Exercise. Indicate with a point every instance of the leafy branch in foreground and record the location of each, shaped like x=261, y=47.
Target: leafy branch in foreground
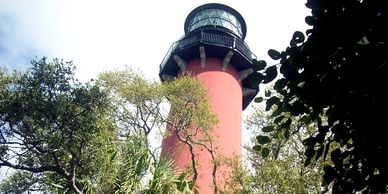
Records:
x=339, y=72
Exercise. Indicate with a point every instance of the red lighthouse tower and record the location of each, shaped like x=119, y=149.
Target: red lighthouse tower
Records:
x=214, y=51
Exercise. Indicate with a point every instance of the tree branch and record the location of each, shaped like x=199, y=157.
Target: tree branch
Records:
x=30, y=169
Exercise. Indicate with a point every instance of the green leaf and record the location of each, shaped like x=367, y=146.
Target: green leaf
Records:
x=267, y=93
x=305, y=119
x=270, y=102
x=258, y=99
x=307, y=162
x=309, y=31
x=327, y=148
x=298, y=37
x=279, y=119
x=320, y=137
x=280, y=84
x=261, y=139
x=255, y=79
x=258, y=65
x=336, y=156
x=265, y=152
x=267, y=129
x=277, y=111
x=292, y=44
x=257, y=148
x=275, y=55
x=310, y=152
x=287, y=124
x=328, y=176
x=319, y=152
x=309, y=141
x=286, y=134
x=289, y=72
x=270, y=74
x=310, y=20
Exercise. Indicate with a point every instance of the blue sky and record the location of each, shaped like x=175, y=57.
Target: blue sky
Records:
x=101, y=35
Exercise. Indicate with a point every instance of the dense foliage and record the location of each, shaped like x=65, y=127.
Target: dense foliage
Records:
x=49, y=121
x=340, y=72
x=59, y=135
x=140, y=107
x=279, y=163
x=276, y=166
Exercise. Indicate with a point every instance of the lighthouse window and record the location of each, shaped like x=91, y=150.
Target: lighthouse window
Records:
x=216, y=17
x=233, y=19
x=224, y=15
x=227, y=25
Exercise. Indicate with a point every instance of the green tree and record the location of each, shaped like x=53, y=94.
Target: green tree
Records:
x=21, y=182
x=48, y=121
x=274, y=161
x=277, y=165
x=143, y=107
x=129, y=169
x=339, y=71
x=60, y=135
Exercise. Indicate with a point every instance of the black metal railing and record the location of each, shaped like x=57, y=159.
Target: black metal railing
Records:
x=223, y=40
x=243, y=48
x=165, y=59
x=187, y=41
x=209, y=38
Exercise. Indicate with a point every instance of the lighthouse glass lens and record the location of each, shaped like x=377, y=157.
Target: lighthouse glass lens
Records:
x=216, y=18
